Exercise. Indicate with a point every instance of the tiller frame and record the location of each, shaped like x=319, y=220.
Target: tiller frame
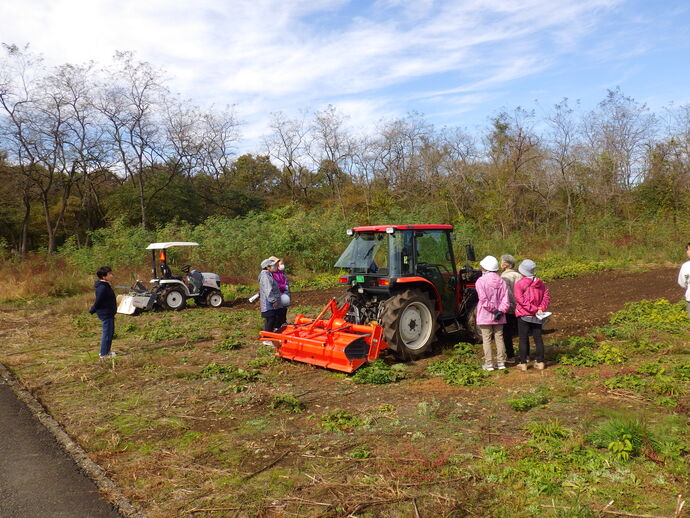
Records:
x=332, y=343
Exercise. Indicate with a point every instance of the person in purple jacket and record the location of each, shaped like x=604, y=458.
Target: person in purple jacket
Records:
x=105, y=307
x=280, y=277
x=532, y=299
x=491, y=308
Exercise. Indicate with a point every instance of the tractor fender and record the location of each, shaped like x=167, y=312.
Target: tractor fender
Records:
x=175, y=282
x=427, y=285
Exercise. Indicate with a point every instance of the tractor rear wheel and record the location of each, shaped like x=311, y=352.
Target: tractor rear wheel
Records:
x=173, y=298
x=214, y=299
x=409, y=323
x=471, y=325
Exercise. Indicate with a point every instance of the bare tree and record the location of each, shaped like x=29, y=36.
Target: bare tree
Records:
x=131, y=98
x=287, y=144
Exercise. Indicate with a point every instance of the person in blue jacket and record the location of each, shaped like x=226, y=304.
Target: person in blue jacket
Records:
x=105, y=307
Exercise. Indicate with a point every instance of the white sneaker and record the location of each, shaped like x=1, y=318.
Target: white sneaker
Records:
x=501, y=366
x=267, y=343
x=111, y=354
x=488, y=367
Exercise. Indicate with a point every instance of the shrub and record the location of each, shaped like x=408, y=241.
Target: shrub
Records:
x=653, y=314
x=528, y=400
x=456, y=371
x=229, y=344
x=626, y=381
x=551, y=429
x=360, y=452
x=340, y=420
x=617, y=432
x=228, y=373
x=379, y=373
x=682, y=371
x=588, y=357
x=288, y=402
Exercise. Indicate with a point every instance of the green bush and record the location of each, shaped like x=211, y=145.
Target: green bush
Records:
x=653, y=314
x=528, y=400
x=228, y=373
x=588, y=357
x=288, y=402
x=626, y=381
x=340, y=420
x=456, y=371
x=379, y=373
x=621, y=430
x=229, y=344
x=551, y=429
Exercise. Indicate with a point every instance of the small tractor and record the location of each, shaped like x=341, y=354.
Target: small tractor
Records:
x=403, y=286
x=169, y=291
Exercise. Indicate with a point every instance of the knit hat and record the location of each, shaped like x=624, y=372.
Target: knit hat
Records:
x=267, y=262
x=527, y=267
x=489, y=263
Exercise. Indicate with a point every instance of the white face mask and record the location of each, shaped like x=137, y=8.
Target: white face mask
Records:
x=281, y=267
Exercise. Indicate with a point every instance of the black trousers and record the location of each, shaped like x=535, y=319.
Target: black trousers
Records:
x=524, y=329
x=281, y=317
x=270, y=317
x=509, y=331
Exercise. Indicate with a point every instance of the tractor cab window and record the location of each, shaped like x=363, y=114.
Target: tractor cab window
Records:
x=433, y=252
x=366, y=253
x=401, y=253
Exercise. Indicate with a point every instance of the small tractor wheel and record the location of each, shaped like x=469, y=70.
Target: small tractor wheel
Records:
x=214, y=299
x=173, y=298
x=409, y=323
x=471, y=325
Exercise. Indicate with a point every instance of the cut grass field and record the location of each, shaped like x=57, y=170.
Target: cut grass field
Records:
x=195, y=417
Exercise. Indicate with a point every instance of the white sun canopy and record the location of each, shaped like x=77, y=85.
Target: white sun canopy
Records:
x=168, y=244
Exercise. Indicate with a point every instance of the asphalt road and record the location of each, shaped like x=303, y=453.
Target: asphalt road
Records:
x=37, y=478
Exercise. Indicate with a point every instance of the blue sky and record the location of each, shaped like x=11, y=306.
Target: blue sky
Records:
x=456, y=62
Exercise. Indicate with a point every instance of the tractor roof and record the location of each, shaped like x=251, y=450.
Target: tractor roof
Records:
x=168, y=244
x=382, y=228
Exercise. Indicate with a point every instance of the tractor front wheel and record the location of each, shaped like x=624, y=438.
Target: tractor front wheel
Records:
x=409, y=323
x=214, y=299
x=173, y=298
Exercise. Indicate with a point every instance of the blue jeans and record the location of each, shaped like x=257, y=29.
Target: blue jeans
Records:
x=108, y=330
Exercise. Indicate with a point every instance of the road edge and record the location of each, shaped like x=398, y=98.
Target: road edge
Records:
x=95, y=472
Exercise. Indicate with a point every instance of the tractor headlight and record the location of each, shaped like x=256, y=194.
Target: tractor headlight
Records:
x=390, y=230
x=349, y=232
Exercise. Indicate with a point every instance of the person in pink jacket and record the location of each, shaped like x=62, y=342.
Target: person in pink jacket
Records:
x=493, y=303
x=532, y=299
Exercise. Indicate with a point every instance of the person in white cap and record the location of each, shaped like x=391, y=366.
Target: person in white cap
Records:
x=532, y=299
x=492, y=305
x=269, y=295
x=684, y=278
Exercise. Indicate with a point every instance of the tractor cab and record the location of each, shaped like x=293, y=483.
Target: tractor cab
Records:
x=405, y=276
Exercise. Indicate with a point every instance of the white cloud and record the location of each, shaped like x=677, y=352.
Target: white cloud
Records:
x=270, y=55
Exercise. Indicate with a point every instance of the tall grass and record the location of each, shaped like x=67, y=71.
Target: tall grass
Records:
x=311, y=240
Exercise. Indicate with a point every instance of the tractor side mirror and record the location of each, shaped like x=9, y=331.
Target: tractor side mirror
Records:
x=469, y=251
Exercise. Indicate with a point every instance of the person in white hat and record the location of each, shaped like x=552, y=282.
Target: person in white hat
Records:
x=269, y=295
x=492, y=305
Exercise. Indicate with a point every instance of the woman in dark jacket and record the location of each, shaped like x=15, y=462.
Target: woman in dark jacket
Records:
x=105, y=307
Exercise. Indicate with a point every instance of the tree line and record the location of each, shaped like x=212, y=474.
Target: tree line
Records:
x=84, y=145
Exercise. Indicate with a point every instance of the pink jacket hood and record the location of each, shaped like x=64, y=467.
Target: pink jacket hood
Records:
x=531, y=296
x=493, y=296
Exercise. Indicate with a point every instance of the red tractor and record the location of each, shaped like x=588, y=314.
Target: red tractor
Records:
x=403, y=288
x=404, y=277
